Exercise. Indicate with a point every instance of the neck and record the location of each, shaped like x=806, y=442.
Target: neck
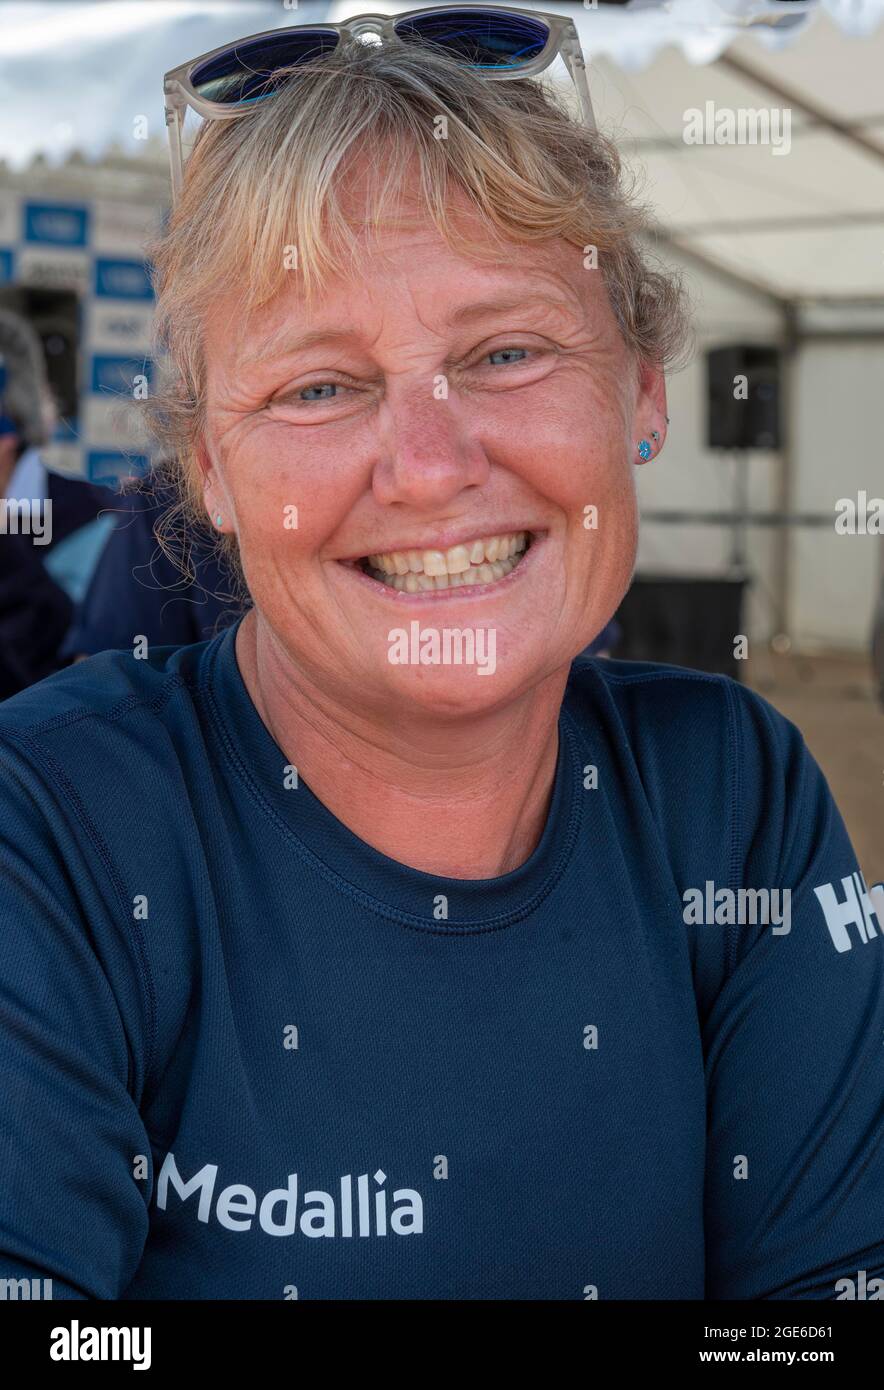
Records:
x=460, y=798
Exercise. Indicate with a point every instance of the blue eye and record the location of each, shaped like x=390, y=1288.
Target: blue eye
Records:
x=500, y=351
x=320, y=386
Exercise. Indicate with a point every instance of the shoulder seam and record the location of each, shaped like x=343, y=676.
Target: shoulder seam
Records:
x=123, y=706
x=705, y=677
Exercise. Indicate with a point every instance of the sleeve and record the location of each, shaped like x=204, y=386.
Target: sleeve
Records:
x=75, y=1160
x=794, y=1042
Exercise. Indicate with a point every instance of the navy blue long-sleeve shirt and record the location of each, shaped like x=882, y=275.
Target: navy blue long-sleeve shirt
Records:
x=245, y=1055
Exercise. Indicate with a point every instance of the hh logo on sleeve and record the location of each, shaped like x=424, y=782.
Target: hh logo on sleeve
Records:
x=853, y=905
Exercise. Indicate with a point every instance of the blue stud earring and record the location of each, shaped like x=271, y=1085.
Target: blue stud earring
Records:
x=644, y=450
x=219, y=520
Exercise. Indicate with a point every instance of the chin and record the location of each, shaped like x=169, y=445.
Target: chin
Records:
x=454, y=690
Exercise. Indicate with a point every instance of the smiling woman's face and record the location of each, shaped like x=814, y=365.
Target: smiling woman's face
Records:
x=445, y=412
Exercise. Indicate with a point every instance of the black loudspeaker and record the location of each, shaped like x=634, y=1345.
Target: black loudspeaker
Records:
x=735, y=422
x=682, y=620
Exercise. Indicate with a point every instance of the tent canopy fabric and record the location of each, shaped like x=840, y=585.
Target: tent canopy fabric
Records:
x=803, y=222
x=798, y=220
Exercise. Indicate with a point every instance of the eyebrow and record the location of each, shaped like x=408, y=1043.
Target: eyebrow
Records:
x=283, y=343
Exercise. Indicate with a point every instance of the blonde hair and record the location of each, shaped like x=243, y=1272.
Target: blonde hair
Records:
x=270, y=179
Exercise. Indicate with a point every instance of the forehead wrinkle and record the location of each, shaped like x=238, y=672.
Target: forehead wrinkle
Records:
x=286, y=341
x=484, y=308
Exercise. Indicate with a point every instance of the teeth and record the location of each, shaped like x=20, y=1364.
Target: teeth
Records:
x=434, y=562
x=421, y=571
x=458, y=560
x=424, y=583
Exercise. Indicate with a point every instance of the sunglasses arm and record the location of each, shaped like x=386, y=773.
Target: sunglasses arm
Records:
x=175, y=108
x=572, y=54
x=178, y=98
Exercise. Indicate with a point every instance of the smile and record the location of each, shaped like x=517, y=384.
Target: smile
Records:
x=483, y=561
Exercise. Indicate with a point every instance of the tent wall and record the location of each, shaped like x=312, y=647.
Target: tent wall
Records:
x=834, y=423
x=838, y=433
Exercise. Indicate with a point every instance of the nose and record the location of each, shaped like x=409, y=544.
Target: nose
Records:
x=427, y=454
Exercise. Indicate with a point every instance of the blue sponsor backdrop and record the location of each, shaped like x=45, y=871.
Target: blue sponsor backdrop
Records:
x=93, y=443
x=56, y=224
x=118, y=374
x=122, y=280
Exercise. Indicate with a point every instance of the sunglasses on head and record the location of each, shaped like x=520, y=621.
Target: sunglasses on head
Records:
x=498, y=43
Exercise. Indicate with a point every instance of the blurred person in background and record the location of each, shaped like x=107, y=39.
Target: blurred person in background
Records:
x=152, y=579
x=51, y=527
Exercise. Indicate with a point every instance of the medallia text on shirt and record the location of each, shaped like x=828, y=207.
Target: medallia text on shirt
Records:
x=282, y=1212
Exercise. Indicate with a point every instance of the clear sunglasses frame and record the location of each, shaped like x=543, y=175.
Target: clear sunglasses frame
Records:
x=179, y=92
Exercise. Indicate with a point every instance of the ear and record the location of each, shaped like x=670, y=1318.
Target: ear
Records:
x=212, y=493
x=650, y=406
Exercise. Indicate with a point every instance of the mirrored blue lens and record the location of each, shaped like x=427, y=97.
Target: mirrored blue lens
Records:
x=484, y=38
x=251, y=70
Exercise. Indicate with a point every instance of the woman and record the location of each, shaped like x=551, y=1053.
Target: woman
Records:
x=365, y=951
